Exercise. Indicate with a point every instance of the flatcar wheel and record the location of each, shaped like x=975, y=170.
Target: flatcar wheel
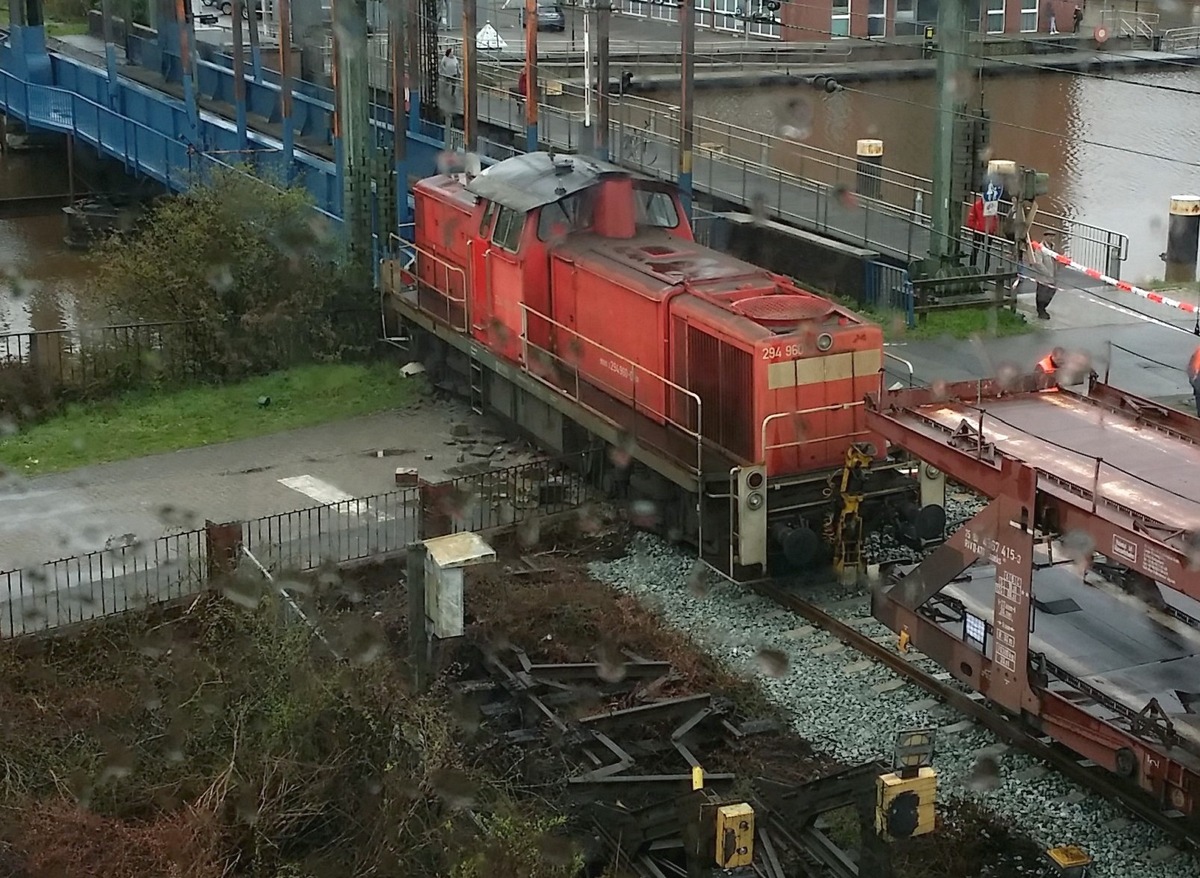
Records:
x=1126, y=762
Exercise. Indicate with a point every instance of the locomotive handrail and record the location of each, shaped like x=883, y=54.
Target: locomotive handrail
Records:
x=797, y=443
x=901, y=361
x=633, y=368
x=415, y=250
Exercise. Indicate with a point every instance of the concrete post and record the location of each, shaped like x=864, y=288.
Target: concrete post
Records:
x=1183, y=236
x=869, y=168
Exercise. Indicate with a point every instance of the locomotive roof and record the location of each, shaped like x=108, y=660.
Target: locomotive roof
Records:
x=533, y=179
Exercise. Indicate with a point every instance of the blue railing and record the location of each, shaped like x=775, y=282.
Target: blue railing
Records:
x=889, y=288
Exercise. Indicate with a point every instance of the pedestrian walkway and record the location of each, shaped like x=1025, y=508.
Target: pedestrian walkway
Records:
x=756, y=185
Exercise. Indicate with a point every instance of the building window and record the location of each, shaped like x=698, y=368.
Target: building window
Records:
x=995, y=16
x=839, y=25
x=876, y=18
x=906, y=17
x=1029, y=16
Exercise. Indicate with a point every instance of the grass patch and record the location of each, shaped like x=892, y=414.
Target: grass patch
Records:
x=148, y=422
x=71, y=26
x=966, y=323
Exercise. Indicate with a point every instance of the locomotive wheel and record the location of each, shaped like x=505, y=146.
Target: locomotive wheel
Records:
x=930, y=522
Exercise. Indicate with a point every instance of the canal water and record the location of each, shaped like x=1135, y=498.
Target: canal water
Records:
x=40, y=277
x=1116, y=149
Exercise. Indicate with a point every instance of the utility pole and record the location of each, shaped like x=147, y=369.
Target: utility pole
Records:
x=470, y=74
x=950, y=184
x=603, y=15
x=396, y=41
x=687, y=63
x=285, y=84
x=353, y=129
x=532, y=94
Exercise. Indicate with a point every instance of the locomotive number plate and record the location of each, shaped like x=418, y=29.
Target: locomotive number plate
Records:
x=783, y=352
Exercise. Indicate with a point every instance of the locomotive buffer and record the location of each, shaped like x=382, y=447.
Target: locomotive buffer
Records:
x=1100, y=656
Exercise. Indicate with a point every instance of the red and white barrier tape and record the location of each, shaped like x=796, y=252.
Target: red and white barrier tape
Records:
x=1119, y=284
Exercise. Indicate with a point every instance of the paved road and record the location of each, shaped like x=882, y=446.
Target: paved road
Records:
x=66, y=514
x=1084, y=322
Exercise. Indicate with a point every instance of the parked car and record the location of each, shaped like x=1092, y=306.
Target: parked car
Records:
x=549, y=17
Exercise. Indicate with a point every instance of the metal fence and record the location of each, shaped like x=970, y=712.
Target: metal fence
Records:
x=100, y=584
x=501, y=498
x=105, y=358
x=131, y=577
x=888, y=288
x=92, y=356
x=349, y=530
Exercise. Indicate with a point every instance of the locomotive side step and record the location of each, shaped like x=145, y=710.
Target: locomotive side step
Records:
x=476, y=385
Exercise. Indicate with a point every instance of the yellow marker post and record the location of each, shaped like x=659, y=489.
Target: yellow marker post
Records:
x=697, y=778
x=904, y=639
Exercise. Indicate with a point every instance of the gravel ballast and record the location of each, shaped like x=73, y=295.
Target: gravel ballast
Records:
x=852, y=708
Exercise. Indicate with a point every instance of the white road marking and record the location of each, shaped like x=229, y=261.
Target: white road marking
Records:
x=1121, y=309
x=327, y=495
x=322, y=492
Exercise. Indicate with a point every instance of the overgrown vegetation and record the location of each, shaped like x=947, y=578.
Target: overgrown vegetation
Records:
x=232, y=279
x=228, y=742
x=149, y=422
x=248, y=266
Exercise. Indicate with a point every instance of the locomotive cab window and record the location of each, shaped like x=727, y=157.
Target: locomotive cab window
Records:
x=489, y=214
x=570, y=214
x=655, y=209
x=507, y=233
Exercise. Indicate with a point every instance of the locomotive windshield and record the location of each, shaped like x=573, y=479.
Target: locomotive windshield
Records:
x=570, y=214
x=655, y=209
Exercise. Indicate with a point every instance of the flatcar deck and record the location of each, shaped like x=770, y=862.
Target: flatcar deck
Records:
x=1106, y=640
x=1101, y=670
x=1084, y=446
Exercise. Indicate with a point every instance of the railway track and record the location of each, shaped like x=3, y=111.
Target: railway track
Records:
x=1092, y=777
x=838, y=676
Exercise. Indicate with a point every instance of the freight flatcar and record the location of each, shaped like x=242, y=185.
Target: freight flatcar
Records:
x=569, y=296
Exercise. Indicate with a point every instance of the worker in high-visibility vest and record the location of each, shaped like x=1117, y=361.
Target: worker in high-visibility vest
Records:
x=1193, y=371
x=1048, y=366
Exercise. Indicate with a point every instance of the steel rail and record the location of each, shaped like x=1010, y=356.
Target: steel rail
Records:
x=1066, y=763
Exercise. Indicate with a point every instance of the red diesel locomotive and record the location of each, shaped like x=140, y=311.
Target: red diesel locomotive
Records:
x=569, y=296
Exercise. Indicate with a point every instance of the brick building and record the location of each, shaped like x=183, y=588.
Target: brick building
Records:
x=822, y=20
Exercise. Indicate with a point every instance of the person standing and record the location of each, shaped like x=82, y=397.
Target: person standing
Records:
x=1020, y=223
x=1052, y=16
x=1046, y=267
x=449, y=69
x=1078, y=19
x=982, y=226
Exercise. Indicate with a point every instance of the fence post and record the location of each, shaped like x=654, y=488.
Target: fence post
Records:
x=221, y=542
x=418, y=634
x=435, y=517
